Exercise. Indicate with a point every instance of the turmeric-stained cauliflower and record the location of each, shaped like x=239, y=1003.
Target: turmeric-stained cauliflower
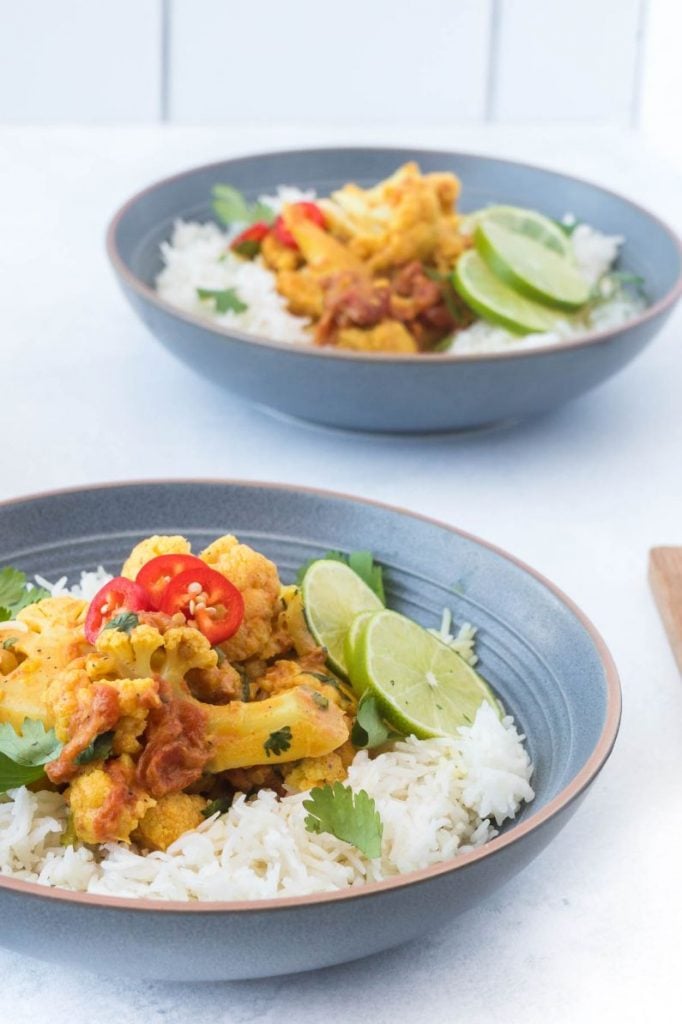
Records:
x=152, y=547
x=107, y=802
x=84, y=708
x=256, y=577
x=49, y=638
x=168, y=819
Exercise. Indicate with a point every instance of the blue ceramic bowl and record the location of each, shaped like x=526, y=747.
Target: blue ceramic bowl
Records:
x=388, y=392
x=543, y=657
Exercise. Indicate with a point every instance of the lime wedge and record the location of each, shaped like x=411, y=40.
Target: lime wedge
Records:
x=333, y=595
x=530, y=267
x=352, y=637
x=495, y=301
x=421, y=686
x=529, y=223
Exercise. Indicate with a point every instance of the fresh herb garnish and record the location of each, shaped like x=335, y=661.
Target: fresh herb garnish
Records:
x=22, y=757
x=124, y=622
x=568, y=227
x=98, y=749
x=320, y=699
x=615, y=281
x=9, y=643
x=322, y=677
x=219, y=806
x=361, y=562
x=14, y=593
x=278, y=741
x=230, y=207
x=349, y=816
x=369, y=729
x=226, y=300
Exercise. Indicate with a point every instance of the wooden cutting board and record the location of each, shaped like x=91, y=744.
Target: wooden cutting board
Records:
x=665, y=576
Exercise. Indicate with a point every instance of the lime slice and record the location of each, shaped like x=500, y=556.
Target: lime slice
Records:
x=530, y=267
x=495, y=301
x=529, y=223
x=333, y=595
x=421, y=685
x=352, y=637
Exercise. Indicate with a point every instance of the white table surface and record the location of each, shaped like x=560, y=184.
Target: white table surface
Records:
x=590, y=931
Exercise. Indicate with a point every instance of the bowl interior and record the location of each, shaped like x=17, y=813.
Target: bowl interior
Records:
x=534, y=649
x=649, y=251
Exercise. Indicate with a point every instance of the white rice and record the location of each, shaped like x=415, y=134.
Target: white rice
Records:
x=436, y=798
x=198, y=256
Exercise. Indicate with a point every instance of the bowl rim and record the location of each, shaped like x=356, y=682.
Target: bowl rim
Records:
x=578, y=784
x=306, y=349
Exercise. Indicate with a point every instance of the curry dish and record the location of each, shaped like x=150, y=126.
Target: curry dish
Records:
x=372, y=271
x=164, y=714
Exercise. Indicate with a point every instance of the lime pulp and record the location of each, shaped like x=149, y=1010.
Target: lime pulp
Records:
x=421, y=686
x=496, y=301
x=333, y=595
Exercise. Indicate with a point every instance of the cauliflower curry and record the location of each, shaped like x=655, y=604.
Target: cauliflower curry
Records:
x=185, y=680
x=370, y=267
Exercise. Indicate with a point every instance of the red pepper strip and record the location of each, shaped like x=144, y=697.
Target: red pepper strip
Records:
x=208, y=600
x=312, y=212
x=156, y=574
x=116, y=596
x=248, y=242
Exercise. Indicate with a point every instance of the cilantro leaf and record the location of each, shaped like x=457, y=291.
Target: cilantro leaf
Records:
x=219, y=806
x=229, y=204
x=35, y=745
x=369, y=729
x=361, y=562
x=125, y=622
x=349, y=816
x=13, y=775
x=22, y=757
x=14, y=593
x=12, y=584
x=278, y=741
x=226, y=300
x=98, y=749
x=230, y=207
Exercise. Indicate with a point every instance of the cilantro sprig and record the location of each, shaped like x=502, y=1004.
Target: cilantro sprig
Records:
x=278, y=741
x=369, y=728
x=230, y=207
x=15, y=593
x=349, y=816
x=23, y=756
x=361, y=562
x=226, y=299
x=98, y=749
x=124, y=622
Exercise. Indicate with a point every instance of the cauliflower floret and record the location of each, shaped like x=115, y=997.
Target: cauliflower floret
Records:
x=107, y=803
x=145, y=651
x=84, y=708
x=126, y=654
x=285, y=675
x=314, y=771
x=168, y=819
x=150, y=548
x=52, y=640
x=256, y=577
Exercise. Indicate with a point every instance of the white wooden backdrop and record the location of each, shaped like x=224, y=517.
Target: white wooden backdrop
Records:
x=428, y=62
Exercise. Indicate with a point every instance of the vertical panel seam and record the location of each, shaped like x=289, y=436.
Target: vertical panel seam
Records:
x=636, y=95
x=494, y=42
x=164, y=104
